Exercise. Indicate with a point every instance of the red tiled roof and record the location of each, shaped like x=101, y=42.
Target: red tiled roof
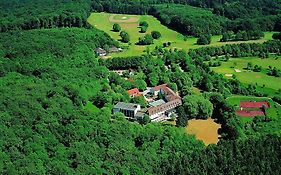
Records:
x=139, y=94
x=169, y=93
x=172, y=97
x=157, y=88
x=134, y=91
x=248, y=104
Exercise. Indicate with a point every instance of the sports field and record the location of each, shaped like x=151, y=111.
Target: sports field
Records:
x=205, y=130
x=234, y=65
x=129, y=23
x=273, y=112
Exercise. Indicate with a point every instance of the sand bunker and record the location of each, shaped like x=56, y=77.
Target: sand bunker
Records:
x=228, y=75
x=124, y=19
x=237, y=70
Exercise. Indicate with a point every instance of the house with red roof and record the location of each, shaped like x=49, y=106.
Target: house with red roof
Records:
x=134, y=92
x=155, y=90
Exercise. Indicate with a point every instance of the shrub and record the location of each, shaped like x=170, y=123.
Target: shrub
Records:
x=125, y=37
x=155, y=34
x=277, y=36
x=143, y=29
x=116, y=27
x=146, y=40
x=143, y=23
x=204, y=39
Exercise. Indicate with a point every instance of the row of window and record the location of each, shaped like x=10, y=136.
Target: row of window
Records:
x=165, y=107
x=127, y=113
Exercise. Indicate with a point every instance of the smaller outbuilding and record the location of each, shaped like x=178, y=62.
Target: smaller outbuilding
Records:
x=134, y=92
x=114, y=49
x=128, y=109
x=100, y=51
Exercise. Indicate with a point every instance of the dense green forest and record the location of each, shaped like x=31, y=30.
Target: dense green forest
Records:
x=228, y=15
x=46, y=106
x=30, y=14
x=189, y=20
x=50, y=75
x=215, y=17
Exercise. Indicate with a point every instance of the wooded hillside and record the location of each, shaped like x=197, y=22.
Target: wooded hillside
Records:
x=57, y=95
x=30, y=14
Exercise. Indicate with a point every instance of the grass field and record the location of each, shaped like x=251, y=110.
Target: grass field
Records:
x=129, y=23
x=249, y=77
x=273, y=112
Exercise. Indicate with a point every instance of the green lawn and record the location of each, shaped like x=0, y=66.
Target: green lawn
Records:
x=260, y=78
x=102, y=22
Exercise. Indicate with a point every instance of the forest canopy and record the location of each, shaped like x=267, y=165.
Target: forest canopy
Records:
x=213, y=17
x=30, y=14
x=57, y=95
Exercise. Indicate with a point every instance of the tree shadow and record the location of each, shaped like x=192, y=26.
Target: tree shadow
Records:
x=114, y=31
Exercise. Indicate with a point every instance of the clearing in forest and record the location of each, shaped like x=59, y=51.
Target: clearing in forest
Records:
x=130, y=23
x=205, y=130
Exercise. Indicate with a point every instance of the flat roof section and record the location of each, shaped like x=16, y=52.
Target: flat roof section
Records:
x=127, y=106
x=157, y=103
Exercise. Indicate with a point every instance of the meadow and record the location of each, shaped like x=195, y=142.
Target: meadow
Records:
x=129, y=23
x=268, y=83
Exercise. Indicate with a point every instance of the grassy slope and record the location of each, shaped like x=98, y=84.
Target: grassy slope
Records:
x=101, y=21
x=271, y=83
